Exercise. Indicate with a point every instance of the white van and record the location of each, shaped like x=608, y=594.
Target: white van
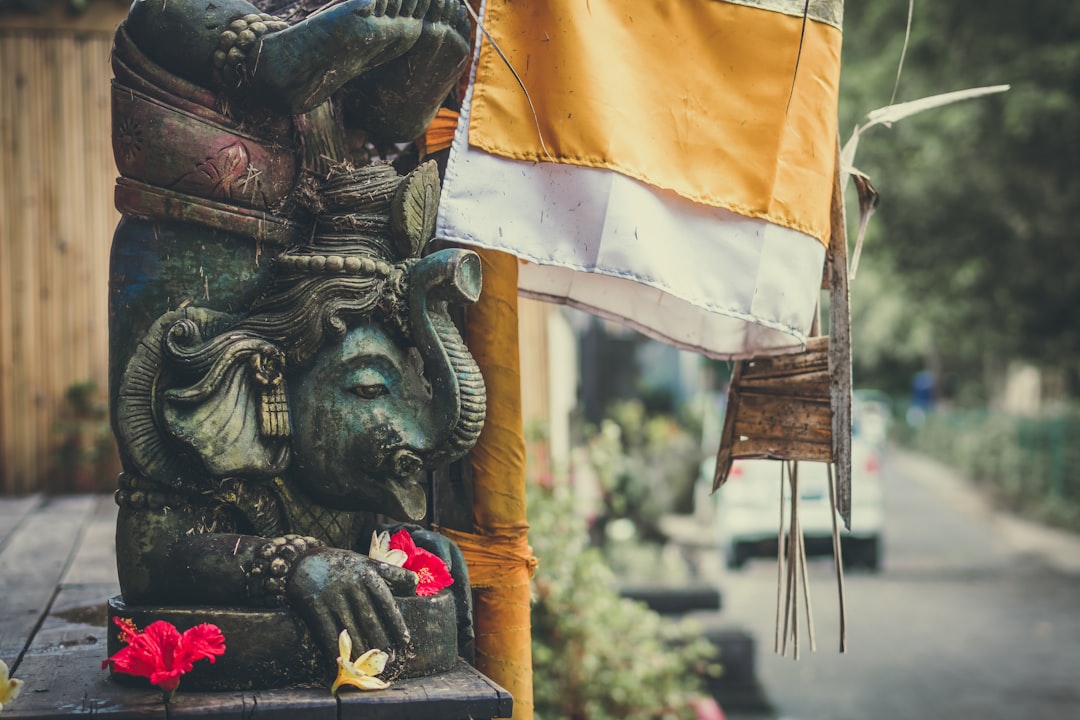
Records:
x=748, y=508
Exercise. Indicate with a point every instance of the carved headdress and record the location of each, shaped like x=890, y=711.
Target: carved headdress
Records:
x=194, y=361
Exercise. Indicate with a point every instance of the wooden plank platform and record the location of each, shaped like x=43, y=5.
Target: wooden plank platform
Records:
x=58, y=570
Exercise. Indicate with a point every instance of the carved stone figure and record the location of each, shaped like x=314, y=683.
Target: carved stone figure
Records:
x=283, y=365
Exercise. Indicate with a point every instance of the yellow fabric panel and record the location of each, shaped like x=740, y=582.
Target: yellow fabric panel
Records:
x=689, y=96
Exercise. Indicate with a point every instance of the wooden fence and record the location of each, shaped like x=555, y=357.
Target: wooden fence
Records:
x=56, y=223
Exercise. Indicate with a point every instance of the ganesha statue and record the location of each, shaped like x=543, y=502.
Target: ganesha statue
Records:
x=284, y=370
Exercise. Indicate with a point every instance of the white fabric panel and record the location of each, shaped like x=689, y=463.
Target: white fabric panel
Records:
x=698, y=277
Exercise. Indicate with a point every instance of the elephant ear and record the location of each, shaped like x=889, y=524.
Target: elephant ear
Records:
x=143, y=442
x=159, y=410
x=225, y=425
x=412, y=213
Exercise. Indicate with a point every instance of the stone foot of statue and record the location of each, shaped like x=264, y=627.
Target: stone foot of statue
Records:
x=377, y=99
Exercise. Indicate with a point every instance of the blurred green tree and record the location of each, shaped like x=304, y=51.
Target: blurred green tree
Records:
x=971, y=258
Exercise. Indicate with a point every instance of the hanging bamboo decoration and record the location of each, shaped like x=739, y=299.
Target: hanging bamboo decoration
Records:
x=794, y=408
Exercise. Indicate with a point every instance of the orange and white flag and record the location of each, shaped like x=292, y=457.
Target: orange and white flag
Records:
x=669, y=165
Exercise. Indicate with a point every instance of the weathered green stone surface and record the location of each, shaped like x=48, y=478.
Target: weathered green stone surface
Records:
x=283, y=366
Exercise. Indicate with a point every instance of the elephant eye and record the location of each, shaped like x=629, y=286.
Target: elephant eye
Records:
x=370, y=391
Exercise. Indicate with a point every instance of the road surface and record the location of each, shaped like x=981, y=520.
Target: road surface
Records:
x=974, y=616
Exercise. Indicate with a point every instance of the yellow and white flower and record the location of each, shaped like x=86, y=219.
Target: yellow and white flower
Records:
x=361, y=673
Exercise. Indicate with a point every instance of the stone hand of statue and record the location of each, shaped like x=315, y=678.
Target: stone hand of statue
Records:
x=335, y=590
x=304, y=65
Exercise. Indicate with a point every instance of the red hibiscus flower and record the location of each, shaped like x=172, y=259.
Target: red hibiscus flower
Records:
x=428, y=566
x=161, y=653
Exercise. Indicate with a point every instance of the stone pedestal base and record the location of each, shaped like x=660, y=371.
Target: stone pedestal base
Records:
x=272, y=648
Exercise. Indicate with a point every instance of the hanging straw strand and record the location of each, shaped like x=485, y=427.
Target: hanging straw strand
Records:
x=839, y=561
x=780, y=575
x=806, y=591
x=793, y=558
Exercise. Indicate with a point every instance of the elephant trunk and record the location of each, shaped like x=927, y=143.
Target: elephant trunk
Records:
x=459, y=397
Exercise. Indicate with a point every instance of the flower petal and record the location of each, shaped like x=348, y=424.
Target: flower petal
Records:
x=364, y=682
x=380, y=543
x=202, y=642
x=133, y=660
x=344, y=645
x=162, y=642
x=9, y=689
x=372, y=662
x=431, y=571
x=402, y=540
x=395, y=557
x=167, y=680
x=360, y=681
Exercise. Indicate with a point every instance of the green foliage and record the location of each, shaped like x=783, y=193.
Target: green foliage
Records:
x=84, y=458
x=974, y=235
x=596, y=655
x=644, y=464
x=1029, y=465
